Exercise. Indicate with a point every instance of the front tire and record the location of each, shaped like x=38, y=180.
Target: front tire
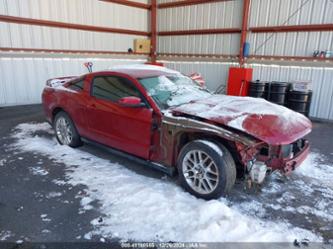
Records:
x=206, y=169
x=65, y=130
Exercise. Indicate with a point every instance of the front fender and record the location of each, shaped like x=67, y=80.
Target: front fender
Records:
x=173, y=127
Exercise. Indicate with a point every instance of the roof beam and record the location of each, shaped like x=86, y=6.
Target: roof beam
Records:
x=288, y=58
x=55, y=24
x=200, y=32
x=66, y=51
x=187, y=3
x=293, y=28
x=129, y=3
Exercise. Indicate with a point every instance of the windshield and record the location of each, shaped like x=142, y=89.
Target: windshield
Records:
x=173, y=90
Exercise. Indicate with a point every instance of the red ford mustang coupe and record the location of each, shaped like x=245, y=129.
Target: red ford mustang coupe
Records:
x=166, y=120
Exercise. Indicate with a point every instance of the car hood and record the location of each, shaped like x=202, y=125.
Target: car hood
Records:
x=271, y=123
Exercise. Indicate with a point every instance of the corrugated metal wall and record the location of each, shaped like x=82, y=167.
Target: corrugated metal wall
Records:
x=216, y=74
x=90, y=12
x=263, y=13
x=27, y=36
x=96, y=13
x=22, y=79
x=204, y=16
x=290, y=12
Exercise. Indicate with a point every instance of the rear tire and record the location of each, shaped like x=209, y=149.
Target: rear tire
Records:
x=206, y=169
x=65, y=130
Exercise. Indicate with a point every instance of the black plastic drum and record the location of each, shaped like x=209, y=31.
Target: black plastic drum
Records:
x=300, y=101
x=277, y=92
x=257, y=89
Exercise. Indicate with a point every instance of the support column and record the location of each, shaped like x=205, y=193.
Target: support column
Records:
x=246, y=9
x=153, y=28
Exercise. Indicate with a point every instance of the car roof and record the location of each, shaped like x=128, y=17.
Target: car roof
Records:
x=140, y=71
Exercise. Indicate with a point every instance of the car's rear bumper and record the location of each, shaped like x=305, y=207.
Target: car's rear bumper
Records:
x=290, y=165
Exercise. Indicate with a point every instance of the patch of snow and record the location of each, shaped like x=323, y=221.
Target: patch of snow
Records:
x=235, y=110
x=58, y=82
x=45, y=218
x=310, y=210
x=311, y=167
x=88, y=236
x=53, y=195
x=140, y=208
x=38, y=171
x=2, y=162
x=85, y=203
x=4, y=235
x=237, y=123
x=59, y=182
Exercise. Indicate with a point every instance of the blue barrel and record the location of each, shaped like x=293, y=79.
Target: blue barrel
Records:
x=246, y=49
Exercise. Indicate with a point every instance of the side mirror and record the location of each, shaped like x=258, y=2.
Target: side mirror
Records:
x=131, y=101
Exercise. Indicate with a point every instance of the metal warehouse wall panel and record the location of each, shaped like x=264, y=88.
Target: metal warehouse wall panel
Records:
x=215, y=73
x=202, y=16
x=87, y=12
x=321, y=78
x=290, y=44
x=22, y=79
x=27, y=36
x=200, y=44
x=290, y=12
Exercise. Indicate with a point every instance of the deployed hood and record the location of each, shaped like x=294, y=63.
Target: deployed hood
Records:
x=271, y=123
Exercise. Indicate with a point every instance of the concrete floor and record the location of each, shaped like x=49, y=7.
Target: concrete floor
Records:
x=25, y=197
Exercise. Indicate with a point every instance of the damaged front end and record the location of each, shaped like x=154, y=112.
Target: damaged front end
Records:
x=262, y=158
x=254, y=158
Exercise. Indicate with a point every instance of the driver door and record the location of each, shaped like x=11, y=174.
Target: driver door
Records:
x=115, y=125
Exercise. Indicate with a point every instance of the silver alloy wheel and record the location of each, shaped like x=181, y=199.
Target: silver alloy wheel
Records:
x=64, y=131
x=200, y=171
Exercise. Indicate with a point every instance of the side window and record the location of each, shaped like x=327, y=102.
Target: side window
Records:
x=77, y=86
x=113, y=88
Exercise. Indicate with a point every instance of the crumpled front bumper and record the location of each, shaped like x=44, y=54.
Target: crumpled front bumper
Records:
x=290, y=165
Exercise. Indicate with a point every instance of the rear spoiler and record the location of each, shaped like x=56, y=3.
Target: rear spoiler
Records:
x=59, y=81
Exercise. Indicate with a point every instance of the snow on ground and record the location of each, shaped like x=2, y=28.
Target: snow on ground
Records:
x=38, y=171
x=140, y=208
x=322, y=172
x=4, y=235
x=2, y=162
